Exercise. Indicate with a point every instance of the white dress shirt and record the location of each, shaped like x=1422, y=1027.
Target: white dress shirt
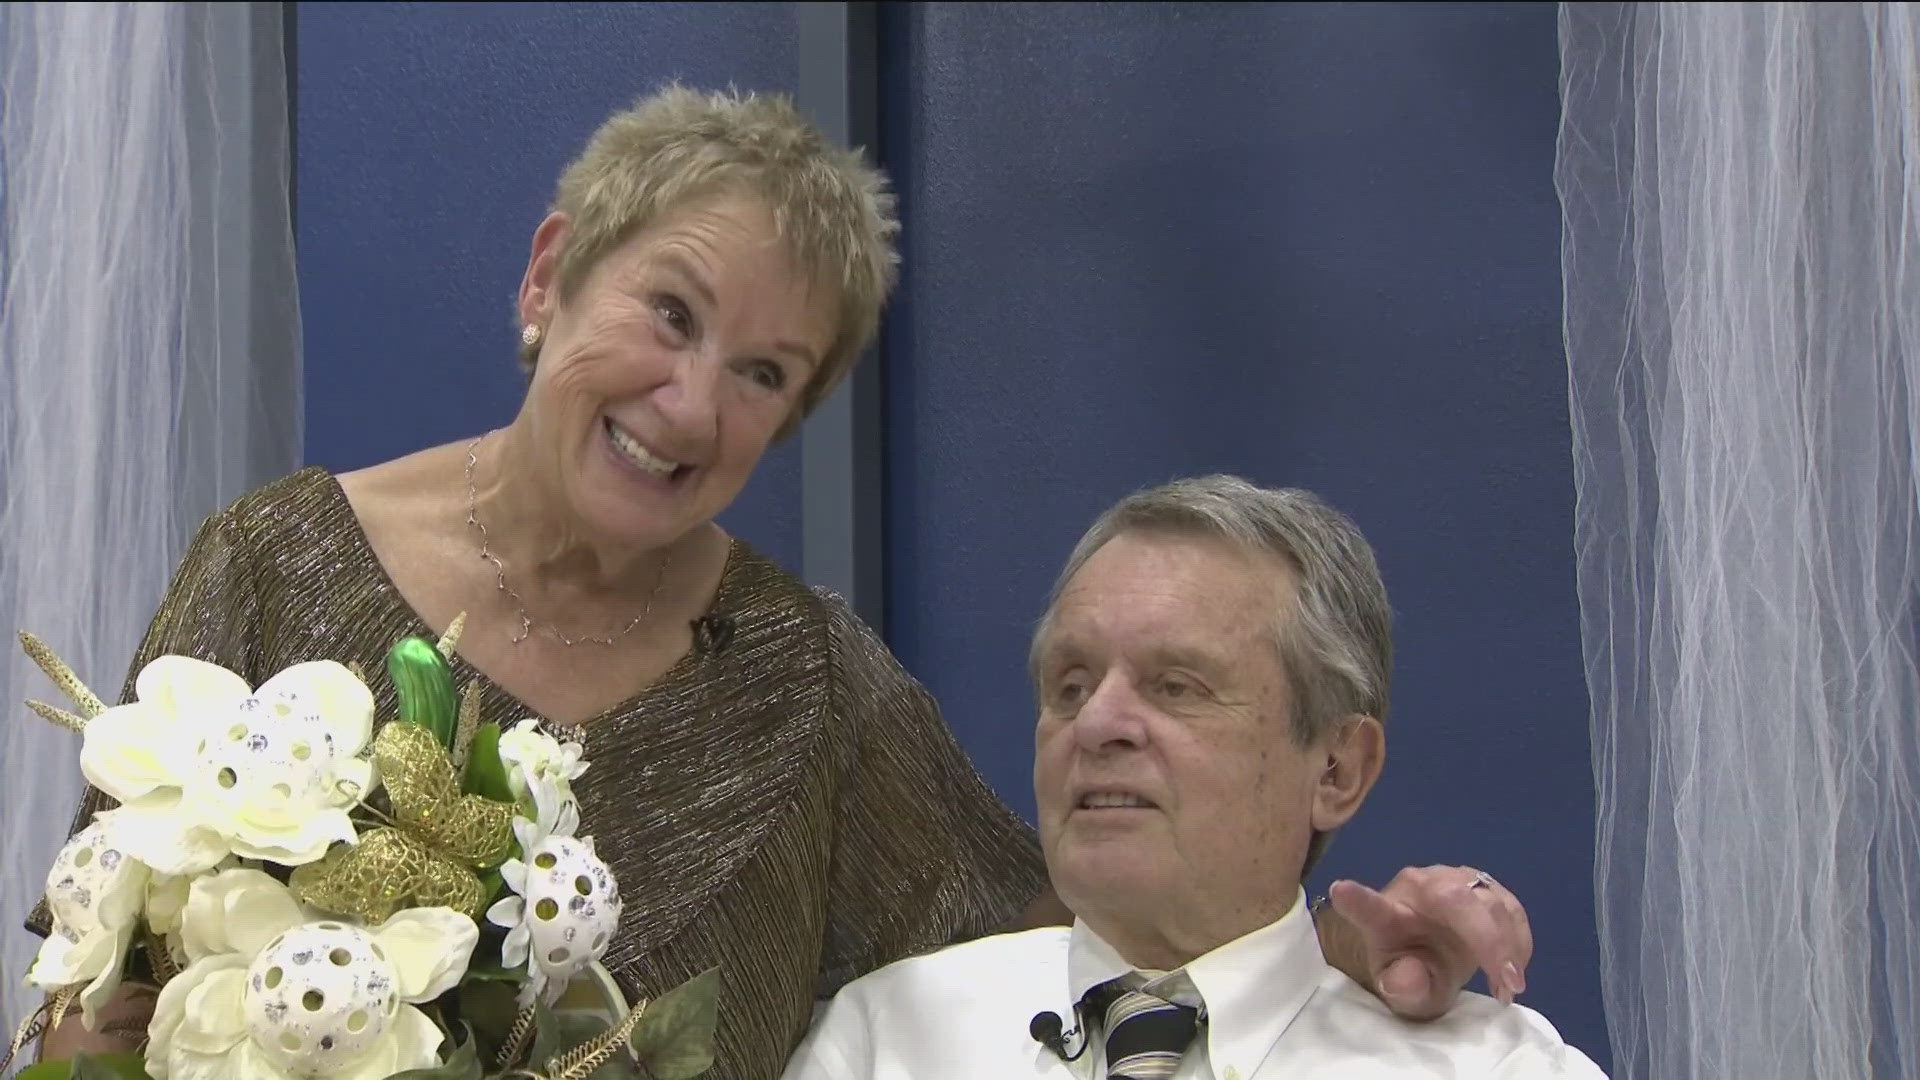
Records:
x=1273, y=1009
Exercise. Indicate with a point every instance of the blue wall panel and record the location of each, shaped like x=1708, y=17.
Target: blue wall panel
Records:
x=429, y=138
x=1316, y=245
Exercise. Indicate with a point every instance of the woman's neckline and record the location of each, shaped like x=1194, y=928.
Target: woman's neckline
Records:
x=738, y=553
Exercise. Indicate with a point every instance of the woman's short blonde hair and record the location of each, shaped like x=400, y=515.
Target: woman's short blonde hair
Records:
x=678, y=145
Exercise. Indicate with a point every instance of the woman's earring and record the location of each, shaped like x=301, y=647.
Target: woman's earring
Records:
x=530, y=335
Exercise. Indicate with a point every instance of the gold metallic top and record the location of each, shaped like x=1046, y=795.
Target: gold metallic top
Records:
x=785, y=801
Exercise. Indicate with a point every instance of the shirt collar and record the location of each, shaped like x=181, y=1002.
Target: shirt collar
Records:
x=1253, y=986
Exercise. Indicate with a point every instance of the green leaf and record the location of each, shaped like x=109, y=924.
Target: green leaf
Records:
x=89, y=1067
x=576, y=1028
x=546, y=1034
x=494, y=973
x=491, y=883
x=489, y=1006
x=462, y=1064
x=486, y=774
x=424, y=684
x=675, y=1036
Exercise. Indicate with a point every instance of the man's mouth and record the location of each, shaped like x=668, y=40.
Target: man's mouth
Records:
x=1113, y=800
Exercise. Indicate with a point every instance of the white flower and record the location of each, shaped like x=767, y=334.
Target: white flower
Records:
x=166, y=906
x=205, y=768
x=541, y=768
x=95, y=893
x=564, y=908
x=269, y=994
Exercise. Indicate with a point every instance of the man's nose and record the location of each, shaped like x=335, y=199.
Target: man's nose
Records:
x=1112, y=718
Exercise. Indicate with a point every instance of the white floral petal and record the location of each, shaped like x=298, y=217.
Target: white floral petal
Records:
x=344, y=703
x=64, y=962
x=164, y=1060
x=306, y=842
x=507, y=911
x=353, y=782
x=101, y=989
x=184, y=1064
x=130, y=750
x=568, y=822
x=526, y=832
x=536, y=987
x=258, y=912
x=249, y=1061
x=189, y=689
x=216, y=1013
x=514, y=951
x=157, y=831
x=208, y=926
x=52, y=966
x=514, y=872
x=429, y=948
x=412, y=1042
x=125, y=894
x=166, y=901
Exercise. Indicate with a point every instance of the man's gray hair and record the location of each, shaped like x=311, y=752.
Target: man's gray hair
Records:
x=1335, y=640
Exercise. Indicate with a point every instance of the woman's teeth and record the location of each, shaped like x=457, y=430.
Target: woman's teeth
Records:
x=638, y=454
x=1110, y=800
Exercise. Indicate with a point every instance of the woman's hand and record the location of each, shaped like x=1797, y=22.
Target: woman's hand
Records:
x=121, y=1026
x=1417, y=942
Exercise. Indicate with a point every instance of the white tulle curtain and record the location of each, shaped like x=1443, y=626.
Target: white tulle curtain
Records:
x=1741, y=188
x=149, y=363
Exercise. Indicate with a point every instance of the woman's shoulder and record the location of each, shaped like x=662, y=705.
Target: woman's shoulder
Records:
x=808, y=628
x=255, y=515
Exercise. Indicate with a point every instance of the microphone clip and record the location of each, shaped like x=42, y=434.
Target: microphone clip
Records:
x=1045, y=1027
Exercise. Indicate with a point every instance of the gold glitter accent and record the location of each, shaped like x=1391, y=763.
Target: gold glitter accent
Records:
x=425, y=796
x=53, y=714
x=469, y=724
x=428, y=858
x=789, y=807
x=451, y=639
x=85, y=701
x=387, y=871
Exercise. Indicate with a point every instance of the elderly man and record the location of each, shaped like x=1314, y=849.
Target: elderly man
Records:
x=1212, y=673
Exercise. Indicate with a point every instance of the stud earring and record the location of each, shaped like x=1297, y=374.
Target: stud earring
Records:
x=530, y=335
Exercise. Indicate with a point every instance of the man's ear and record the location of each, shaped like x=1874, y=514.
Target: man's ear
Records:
x=1355, y=754
x=540, y=285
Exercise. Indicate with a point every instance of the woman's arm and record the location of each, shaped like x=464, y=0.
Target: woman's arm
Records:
x=120, y=1027
x=1414, y=945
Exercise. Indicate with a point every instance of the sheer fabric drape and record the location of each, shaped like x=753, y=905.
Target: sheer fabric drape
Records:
x=1741, y=194
x=149, y=360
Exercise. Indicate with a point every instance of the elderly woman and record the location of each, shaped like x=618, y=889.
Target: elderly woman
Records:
x=776, y=795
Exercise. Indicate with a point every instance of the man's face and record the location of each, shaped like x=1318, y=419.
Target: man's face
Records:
x=1175, y=805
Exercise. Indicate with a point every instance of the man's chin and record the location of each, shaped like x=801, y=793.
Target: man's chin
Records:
x=1093, y=875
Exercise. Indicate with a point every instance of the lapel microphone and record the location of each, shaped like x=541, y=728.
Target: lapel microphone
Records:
x=1046, y=1030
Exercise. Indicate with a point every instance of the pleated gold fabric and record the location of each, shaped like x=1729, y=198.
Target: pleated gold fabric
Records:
x=784, y=802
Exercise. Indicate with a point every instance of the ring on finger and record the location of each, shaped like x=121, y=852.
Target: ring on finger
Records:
x=1481, y=880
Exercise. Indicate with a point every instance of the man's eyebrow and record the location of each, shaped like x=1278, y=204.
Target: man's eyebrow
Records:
x=1050, y=647
x=1189, y=655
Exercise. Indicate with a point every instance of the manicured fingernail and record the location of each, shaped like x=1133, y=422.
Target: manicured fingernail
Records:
x=1514, y=978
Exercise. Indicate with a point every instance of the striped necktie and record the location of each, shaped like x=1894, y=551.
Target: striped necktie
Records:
x=1146, y=1035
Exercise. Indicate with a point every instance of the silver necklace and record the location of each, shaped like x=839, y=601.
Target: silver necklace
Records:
x=527, y=623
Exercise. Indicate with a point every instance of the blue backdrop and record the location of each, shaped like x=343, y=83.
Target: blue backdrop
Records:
x=1312, y=244
x=428, y=138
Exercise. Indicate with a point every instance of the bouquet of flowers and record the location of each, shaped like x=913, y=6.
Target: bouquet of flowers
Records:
x=313, y=897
